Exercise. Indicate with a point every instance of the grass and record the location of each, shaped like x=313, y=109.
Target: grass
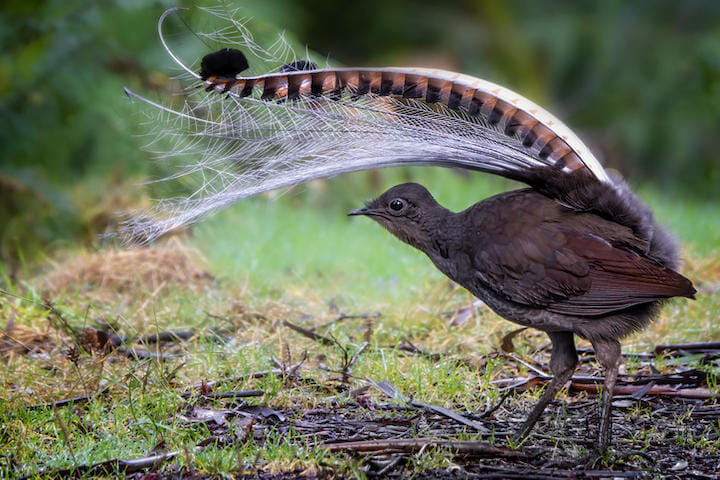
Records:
x=296, y=258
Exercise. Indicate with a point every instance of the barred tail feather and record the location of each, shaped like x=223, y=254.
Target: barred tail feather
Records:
x=287, y=127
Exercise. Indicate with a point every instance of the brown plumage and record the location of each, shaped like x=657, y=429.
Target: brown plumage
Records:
x=569, y=257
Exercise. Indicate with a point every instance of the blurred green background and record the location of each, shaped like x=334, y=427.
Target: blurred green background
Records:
x=639, y=81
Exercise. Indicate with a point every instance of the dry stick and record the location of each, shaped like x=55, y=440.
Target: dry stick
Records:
x=309, y=334
x=505, y=396
x=109, y=467
x=356, y=355
x=407, y=346
x=346, y=369
x=532, y=367
x=392, y=392
x=592, y=385
x=139, y=354
x=413, y=445
x=237, y=378
x=343, y=316
x=329, y=341
x=213, y=396
x=67, y=401
x=506, y=344
x=284, y=369
x=169, y=336
x=160, y=337
x=591, y=351
x=696, y=393
x=688, y=347
x=355, y=392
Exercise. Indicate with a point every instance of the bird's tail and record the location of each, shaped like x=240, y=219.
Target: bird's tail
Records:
x=240, y=136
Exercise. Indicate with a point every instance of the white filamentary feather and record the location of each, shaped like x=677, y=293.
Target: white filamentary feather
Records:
x=228, y=147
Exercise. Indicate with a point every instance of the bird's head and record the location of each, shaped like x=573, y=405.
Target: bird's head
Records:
x=407, y=211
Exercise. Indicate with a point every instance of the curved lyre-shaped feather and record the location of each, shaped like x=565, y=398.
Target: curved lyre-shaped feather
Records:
x=281, y=129
x=495, y=107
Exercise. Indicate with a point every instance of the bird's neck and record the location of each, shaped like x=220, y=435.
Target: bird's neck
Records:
x=442, y=237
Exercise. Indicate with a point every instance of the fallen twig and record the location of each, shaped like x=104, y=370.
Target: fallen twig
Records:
x=407, y=346
x=365, y=316
x=169, y=336
x=505, y=396
x=679, y=349
x=214, y=396
x=506, y=344
x=593, y=385
x=413, y=445
x=140, y=354
x=238, y=378
x=529, y=365
x=392, y=392
x=68, y=401
x=309, y=333
x=108, y=467
x=660, y=390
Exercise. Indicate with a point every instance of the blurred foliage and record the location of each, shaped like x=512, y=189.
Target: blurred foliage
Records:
x=640, y=81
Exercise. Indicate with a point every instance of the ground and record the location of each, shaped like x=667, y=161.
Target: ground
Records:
x=263, y=345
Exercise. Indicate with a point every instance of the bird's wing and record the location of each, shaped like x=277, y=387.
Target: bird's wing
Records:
x=282, y=127
x=544, y=264
x=619, y=278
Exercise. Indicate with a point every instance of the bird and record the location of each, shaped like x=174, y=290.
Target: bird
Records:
x=575, y=254
x=579, y=268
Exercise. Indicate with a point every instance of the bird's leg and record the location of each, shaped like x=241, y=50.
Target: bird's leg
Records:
x=563, y=361
x=609, y=356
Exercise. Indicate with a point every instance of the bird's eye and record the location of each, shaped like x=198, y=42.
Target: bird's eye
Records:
x=397, y=204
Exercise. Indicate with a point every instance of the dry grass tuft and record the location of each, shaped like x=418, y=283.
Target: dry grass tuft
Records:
x=20, y=339
x=105, y=274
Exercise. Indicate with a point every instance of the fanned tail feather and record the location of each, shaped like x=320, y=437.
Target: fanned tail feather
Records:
x=281, y=129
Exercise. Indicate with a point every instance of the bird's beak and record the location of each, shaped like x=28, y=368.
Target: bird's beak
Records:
x=360, y=211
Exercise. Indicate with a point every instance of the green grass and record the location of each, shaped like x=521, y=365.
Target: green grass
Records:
x=296, y=258
x=304, y=239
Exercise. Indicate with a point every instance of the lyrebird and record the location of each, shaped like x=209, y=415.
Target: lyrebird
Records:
x=577, y=253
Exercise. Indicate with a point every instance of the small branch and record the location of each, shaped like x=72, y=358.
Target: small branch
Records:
x=67, y=401
x=505, y=396
x=167, y=336
x=678, y=348
x=309, y=334
x=238, y=378
x=214, y=396
x=108, y=467
x=362, y=316
x=356, y=355
x=540, y=373
x=659, y=390
x=414, y=445
x=140, y=354
x=392, y=392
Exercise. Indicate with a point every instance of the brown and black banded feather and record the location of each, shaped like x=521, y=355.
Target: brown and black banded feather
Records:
x=548, y=138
